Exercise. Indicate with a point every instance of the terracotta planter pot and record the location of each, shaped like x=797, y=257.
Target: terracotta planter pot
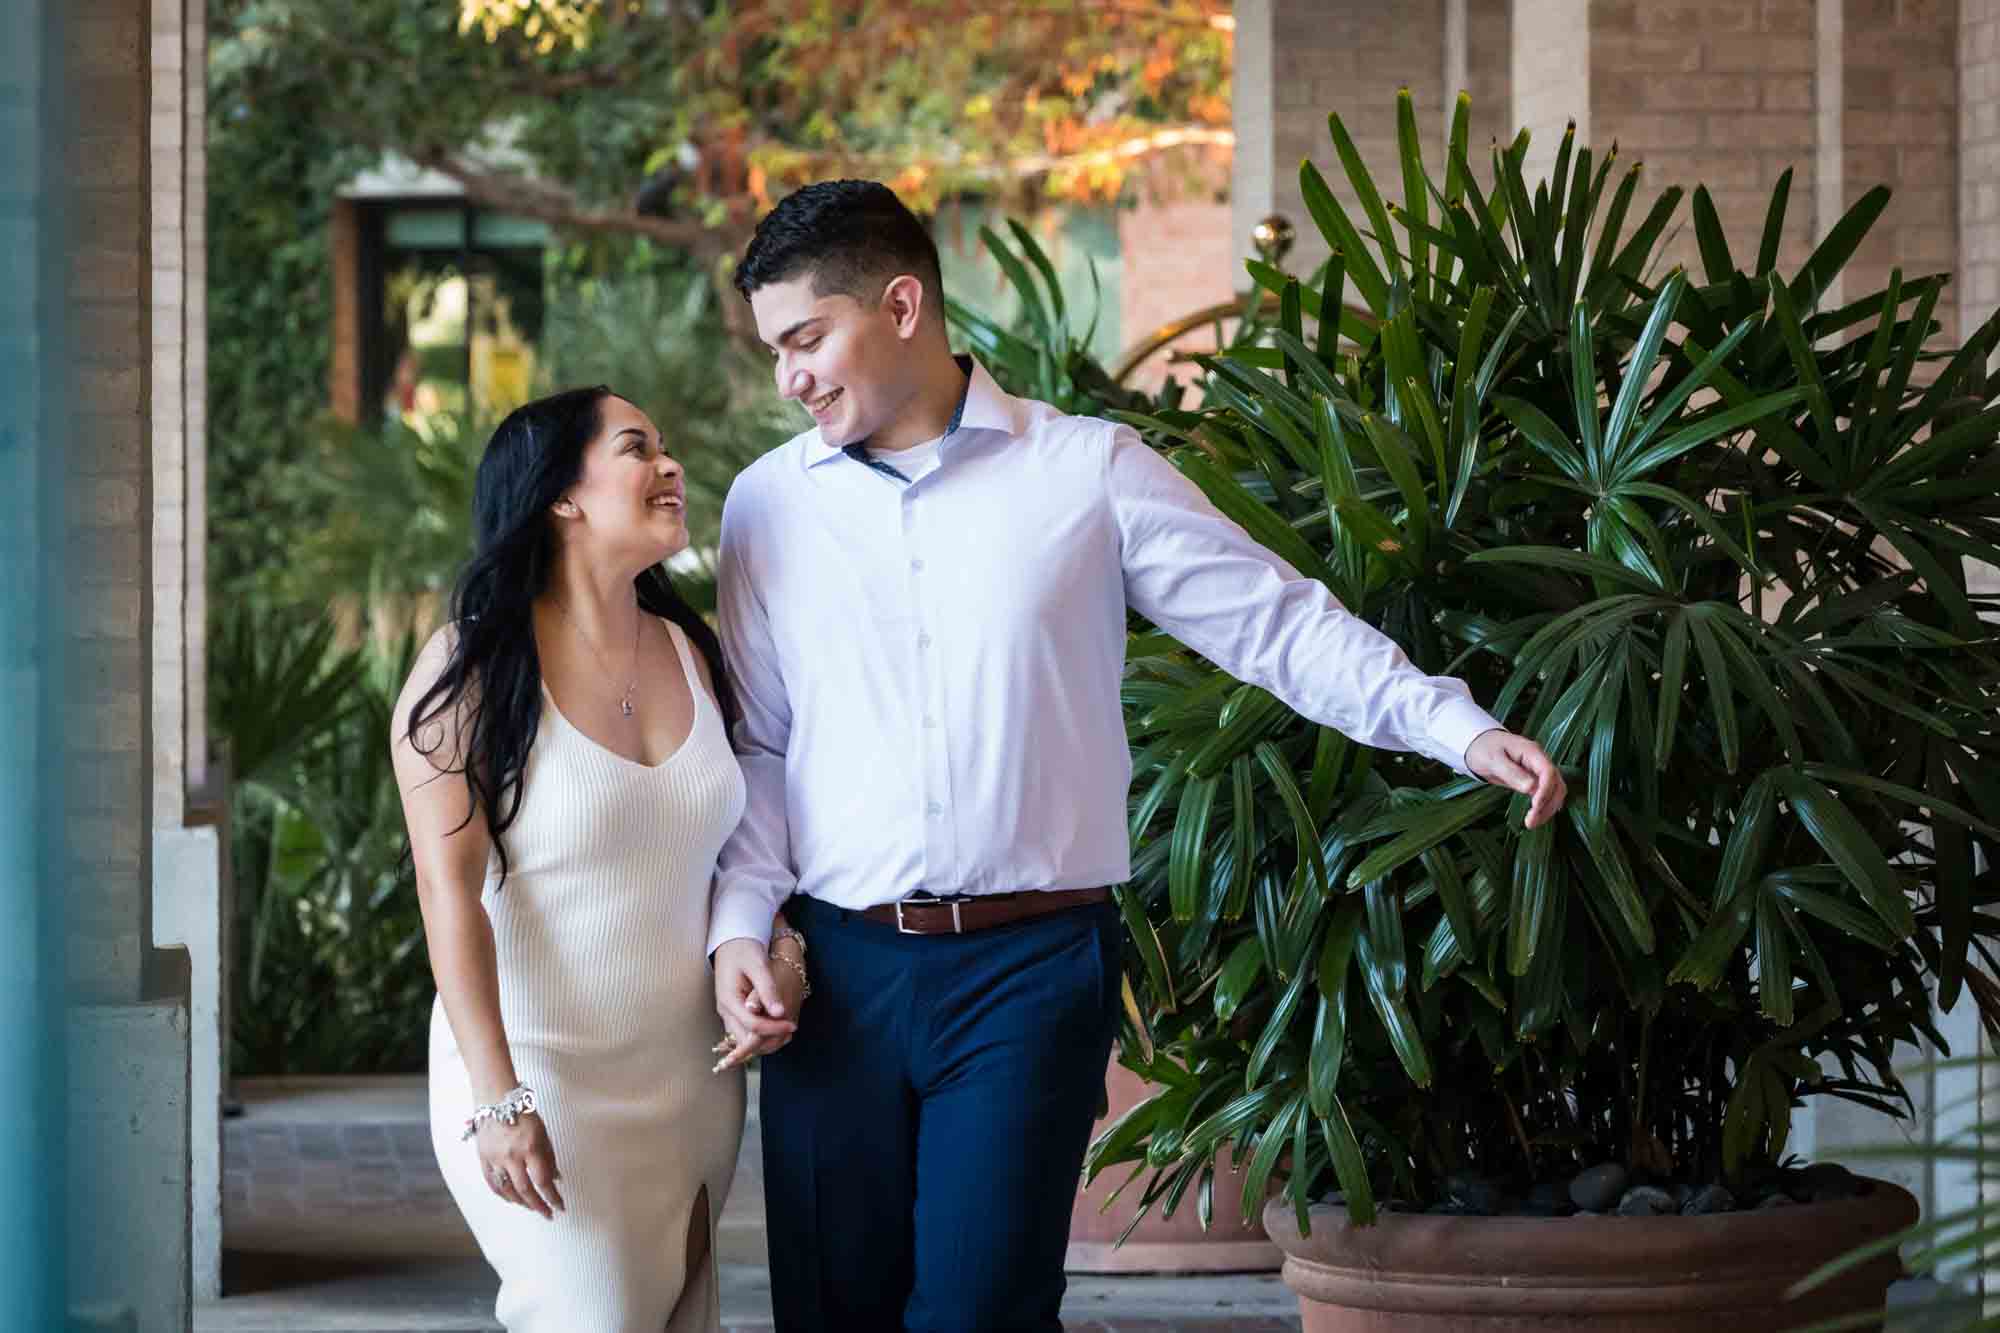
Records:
x=1418, y=1273
x=1170, y=1245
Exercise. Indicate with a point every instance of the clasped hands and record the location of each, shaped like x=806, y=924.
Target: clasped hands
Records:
x=758, y=1003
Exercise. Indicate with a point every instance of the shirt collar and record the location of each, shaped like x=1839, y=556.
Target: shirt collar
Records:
x=983, y=406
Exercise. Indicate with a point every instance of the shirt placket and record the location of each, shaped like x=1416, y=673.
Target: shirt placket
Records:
x=933, y=737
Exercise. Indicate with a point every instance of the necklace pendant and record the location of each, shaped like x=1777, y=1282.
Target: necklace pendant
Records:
x=625, y=706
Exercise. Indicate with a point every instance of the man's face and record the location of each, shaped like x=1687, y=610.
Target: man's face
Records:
x=842, y=359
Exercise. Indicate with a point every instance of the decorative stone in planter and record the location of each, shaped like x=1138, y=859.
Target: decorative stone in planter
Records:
x=1161, y=1245
x=1429, y=1273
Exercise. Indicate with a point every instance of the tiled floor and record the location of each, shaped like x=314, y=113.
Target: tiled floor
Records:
x=336, y=1221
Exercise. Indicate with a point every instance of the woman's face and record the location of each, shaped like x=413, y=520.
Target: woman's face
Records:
x=628, y=505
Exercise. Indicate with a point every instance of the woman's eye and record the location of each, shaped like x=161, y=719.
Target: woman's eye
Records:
x=809, y=346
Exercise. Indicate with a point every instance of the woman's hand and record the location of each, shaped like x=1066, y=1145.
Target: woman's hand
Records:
x=519, y=1164
x=749, y=1026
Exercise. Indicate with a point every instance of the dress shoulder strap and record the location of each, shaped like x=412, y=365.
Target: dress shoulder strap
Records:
x=685, y=648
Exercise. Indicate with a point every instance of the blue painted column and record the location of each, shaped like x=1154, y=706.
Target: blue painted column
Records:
x=33, y=354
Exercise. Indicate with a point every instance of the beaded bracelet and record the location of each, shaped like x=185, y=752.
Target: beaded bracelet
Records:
x=517, y=1103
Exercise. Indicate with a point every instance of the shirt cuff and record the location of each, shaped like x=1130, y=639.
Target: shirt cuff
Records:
x=740, y=913
x=1458, y=724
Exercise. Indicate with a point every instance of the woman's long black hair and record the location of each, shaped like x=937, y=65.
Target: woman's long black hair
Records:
x=493, y=670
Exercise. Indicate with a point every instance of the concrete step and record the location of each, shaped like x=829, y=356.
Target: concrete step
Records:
x=337, y=1221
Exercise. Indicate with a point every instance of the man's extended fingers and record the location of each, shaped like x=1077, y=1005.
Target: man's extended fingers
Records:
x=1545, y=785
x=1550, y=791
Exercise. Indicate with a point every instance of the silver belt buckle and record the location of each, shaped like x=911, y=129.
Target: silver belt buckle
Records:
x=957, y=925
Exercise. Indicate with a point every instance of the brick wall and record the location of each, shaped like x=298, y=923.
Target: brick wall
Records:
x=106, y=525
x=1717, y=93
x=1898, y=126
x=1298, y=62
x=1489, y=79
x=1176, y=259
x=344, y=376
x=1330, y=56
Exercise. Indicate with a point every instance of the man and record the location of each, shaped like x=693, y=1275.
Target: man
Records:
x=923, y=600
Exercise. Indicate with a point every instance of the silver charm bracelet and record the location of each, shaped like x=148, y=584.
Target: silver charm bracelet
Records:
x=517, y=1103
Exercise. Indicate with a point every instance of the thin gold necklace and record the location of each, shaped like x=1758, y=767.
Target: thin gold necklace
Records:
x=625, y=702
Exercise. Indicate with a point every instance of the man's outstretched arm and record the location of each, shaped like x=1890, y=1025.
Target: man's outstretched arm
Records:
x=1197, y=575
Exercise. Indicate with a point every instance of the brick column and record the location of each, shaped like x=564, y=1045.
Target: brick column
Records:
x=1551, y=79
x=107, y=527
x=168, y=281
x=1297, y=61
x=1253, y=167
x=1900, y=84
x=120, y=74
x=1978, y=161
x=194, y=365
x=1717, y=93
x=1350, y=57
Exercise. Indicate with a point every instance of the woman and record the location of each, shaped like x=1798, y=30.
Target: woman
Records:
x=561, y=748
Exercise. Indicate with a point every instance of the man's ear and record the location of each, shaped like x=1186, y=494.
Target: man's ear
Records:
x=903, y=300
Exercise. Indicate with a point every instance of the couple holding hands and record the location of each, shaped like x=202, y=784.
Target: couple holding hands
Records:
x=867, y=832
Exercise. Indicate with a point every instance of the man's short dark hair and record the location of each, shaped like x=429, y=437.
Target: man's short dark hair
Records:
x=852, y=237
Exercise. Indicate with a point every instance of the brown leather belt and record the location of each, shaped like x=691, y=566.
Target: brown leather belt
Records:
x=959, y=916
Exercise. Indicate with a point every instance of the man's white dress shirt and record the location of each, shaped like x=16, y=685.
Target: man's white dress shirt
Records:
x=929, y=671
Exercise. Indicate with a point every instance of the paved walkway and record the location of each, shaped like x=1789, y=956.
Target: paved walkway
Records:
x=335, y=1220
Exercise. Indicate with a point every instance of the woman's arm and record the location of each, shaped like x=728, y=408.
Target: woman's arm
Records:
x=449, y=845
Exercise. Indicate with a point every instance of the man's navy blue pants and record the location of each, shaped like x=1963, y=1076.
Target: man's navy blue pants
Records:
x=924, y=1130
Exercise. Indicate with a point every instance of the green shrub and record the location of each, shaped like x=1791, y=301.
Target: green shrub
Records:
x=1700, y=537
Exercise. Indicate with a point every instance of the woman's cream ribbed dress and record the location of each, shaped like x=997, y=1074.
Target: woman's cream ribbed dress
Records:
x=600, y=933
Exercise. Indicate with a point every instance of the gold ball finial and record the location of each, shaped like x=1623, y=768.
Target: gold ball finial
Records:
x=1273, y=238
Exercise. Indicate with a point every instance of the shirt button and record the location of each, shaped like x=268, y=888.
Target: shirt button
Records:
x=923, y=641
x=917, y=566
x=930, y=723
x=933, y=809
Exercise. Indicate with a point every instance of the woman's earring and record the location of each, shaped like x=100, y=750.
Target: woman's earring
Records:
x=567, y=508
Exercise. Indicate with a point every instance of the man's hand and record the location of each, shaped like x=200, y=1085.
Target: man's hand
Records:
x=1517, y=763
x=748, y=999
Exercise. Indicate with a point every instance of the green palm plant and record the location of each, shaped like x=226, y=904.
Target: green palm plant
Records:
x=332, y=975
x=1701, y=538
x=1045, y=357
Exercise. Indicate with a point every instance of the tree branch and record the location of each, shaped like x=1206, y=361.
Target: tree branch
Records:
x=1030, y=165
x=525, y=197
